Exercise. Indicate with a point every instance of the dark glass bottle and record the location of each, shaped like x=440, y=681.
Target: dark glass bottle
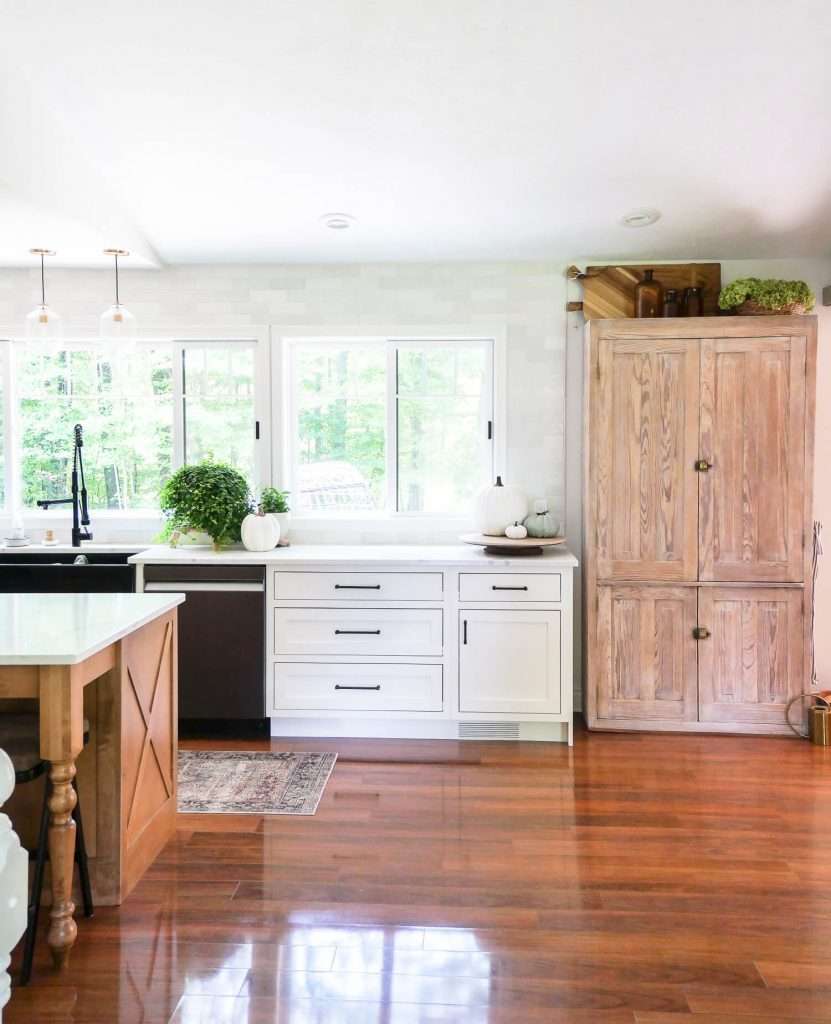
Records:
x=649, y=296
x=692, y=302
x=672, y=305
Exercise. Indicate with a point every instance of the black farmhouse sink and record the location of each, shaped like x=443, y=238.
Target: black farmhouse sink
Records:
x=35, y=572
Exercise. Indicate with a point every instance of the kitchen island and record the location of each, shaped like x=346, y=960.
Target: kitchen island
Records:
x=110, y=659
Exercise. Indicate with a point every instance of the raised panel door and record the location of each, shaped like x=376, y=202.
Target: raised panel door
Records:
x=753, y=435
x=646, y=664
x=643, y=451
x=752, y=663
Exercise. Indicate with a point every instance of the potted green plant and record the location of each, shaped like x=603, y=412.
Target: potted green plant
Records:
x=753, y=296
x=276, y=503
x=209, y=497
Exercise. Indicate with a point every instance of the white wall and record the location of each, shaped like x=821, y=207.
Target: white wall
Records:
x=545, y=347
x=527, y=299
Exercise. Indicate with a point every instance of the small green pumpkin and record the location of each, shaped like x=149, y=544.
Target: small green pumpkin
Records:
x=541, y=523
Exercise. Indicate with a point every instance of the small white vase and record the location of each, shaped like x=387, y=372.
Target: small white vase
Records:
x=282, y=519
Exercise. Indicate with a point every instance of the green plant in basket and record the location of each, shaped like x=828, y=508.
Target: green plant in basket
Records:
x=274, y=501
x=755, y=295
x=210, y=497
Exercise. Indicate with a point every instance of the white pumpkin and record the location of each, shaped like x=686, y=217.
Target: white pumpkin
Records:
x=516, y=532
x=499, y=506
x=260, y=532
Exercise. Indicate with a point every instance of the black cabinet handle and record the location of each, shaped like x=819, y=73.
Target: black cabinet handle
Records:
x=339, y=687
x=357, y=632
x=495, y=587
x=357, y=586
x=464, y=631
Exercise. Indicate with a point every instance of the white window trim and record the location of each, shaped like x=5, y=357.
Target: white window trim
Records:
x=135, y=520
x=282, y=338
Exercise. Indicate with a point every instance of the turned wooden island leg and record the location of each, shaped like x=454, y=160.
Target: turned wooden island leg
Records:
x=61, y=740
x=62, y=800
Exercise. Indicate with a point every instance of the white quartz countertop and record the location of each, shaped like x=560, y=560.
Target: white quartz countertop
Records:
x=68, y=549
x=65, y=629
x=399, y=555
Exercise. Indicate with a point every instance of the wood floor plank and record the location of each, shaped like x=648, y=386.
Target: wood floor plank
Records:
x=482, y=883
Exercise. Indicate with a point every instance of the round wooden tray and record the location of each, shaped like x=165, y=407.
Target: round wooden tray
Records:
x=508, y=546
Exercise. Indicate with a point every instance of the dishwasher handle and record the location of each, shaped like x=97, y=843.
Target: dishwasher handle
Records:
x=224, y=586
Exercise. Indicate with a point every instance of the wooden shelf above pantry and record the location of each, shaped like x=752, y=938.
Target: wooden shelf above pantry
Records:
x=609, y=291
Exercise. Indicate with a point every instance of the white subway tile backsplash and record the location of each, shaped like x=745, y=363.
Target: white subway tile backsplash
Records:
x=528, y=299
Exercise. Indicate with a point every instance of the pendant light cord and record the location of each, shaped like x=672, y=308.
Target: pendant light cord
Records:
x=42, y=283
x=117, y=302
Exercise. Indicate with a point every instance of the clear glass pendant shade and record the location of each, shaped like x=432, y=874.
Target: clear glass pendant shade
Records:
x=43, y=323
x=117, y=321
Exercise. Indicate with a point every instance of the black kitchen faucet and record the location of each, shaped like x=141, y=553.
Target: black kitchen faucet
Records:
x=78, y=500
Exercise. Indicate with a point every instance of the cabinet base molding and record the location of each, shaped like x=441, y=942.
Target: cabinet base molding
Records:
x=401, y=729
x=711, y=728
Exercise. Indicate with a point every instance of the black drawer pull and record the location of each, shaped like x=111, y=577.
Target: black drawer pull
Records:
x=357, y=586
x=339, y=687
x=495, y=587
x=357, y=632
x=464, y=631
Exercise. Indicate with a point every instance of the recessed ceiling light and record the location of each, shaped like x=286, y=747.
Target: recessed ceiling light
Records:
x=338, y=221
x=640, y=218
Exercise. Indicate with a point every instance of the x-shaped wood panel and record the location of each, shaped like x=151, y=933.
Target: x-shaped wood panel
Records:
x=154, y=707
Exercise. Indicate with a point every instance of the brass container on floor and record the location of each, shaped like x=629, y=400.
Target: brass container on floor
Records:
x=819, y=724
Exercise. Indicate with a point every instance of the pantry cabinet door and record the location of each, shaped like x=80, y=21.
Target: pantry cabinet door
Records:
x=642, y=475
x=752, y=663
x=752, y=498
x=647, y=653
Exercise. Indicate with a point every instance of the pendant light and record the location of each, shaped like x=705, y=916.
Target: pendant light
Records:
x=117, y=321
x=43, y=322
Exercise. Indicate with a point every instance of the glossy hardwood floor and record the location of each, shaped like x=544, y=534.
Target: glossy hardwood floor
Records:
x=632, y=880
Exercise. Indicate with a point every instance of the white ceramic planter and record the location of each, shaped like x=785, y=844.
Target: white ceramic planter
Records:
x=283, y=519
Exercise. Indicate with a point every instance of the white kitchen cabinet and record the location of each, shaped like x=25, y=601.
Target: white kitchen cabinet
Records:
x=509, y=661
x=367, y=640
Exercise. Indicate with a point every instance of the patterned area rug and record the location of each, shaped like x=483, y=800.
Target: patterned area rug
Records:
x=245, y=782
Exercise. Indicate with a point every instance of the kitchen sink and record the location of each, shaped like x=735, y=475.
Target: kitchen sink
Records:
x=28, y=572
x=64, y=557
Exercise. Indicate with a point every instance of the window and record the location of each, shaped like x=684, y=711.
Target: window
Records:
x=218, y=409
x=4, y=422
x=144, y=413
x=380, y=425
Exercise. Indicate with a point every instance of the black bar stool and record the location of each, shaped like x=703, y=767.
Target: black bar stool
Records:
x=20, y=738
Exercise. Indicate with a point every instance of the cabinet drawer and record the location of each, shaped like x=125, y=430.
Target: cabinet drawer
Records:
x=401, y=631
x=363, y=586
x=304, y=687
x=509, y=586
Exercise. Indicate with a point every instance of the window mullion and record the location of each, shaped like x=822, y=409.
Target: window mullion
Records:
x=391, y=445
x=178, y=405
x=11, y=462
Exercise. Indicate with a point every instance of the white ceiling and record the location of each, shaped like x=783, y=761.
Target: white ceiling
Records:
x=201, y=130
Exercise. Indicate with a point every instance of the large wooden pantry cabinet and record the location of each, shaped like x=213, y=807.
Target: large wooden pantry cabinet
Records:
x=698, y=486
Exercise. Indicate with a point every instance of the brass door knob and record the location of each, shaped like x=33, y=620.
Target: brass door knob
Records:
x=702, y=465
x=701, y=633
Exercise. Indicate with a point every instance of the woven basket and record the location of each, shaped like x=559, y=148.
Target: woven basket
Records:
x=752, y=308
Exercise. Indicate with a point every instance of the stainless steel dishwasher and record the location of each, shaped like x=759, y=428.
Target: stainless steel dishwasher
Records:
x=221, y=645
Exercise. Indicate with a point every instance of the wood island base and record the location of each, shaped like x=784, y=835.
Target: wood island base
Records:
x=126, y=773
